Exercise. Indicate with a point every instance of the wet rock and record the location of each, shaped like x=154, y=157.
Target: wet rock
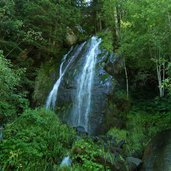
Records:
x=103, y=86
x=134, y=163
x=81, y=131
x=110, y=162
x=95, y=139
x=121, y=143
x=157, y=155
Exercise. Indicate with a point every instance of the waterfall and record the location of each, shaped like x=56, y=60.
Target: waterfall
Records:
x=52, y=97
x=86, y=59
x=51, y=100
x=82, y=104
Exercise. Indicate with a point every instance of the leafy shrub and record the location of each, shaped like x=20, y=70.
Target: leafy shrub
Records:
x=43, y=83
x=88, y=155
x=37, y=140
x=107, y=42
x=118, y=134
x=143, y=126
x=167, y=81
x=157, y=105
x=11, y=99
x=145, y=120
x=85, y=153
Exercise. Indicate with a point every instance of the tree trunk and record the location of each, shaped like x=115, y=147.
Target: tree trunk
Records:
x=160, y=68
x=126, y=78
x=117, y=24
x=163, y=79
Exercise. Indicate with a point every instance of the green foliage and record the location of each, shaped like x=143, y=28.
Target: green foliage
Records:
x=118, y=134
x=34, y=31
x=107, y=42
x=153, y=106
x=86, y=154
x=10, y=25
x=167, y=81
x=143, y=126
x=42, y=24
x=11, y=99
x=46, y=75
x=35, y=140
x=116, y=112
x=108, y=13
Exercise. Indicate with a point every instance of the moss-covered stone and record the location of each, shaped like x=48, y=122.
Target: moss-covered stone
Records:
x=46, y=76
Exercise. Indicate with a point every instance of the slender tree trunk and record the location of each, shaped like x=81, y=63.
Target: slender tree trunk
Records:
x=126, y=78
x=169, y=20
x=159, y=77
x=100, y=25
x=164, y=70
x=160, y=68
x=116, y=24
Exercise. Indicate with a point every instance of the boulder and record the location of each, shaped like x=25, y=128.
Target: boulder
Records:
x=81, y=131
x=157, y=155
x=134, y=163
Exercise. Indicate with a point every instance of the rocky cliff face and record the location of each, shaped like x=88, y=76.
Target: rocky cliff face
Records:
x=103, y=88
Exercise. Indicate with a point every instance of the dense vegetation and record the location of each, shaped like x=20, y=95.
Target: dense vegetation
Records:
x=35, y=34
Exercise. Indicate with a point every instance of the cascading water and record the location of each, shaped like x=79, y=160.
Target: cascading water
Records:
x=51, y=100
x=85, y=58
x=82, y=104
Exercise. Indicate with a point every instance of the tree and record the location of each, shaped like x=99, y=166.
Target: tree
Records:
x=40, y=24
x=11, y=99
x=145, y=35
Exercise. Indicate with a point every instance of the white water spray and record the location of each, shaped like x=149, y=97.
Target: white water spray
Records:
x=82, y=105
x=51, y=100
